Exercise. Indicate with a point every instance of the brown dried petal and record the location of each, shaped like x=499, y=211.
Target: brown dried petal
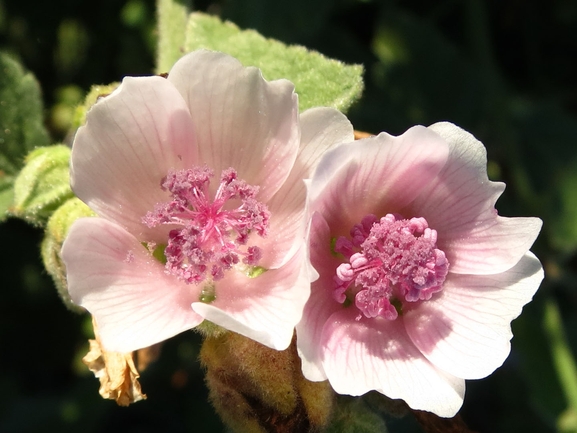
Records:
x=116, y=371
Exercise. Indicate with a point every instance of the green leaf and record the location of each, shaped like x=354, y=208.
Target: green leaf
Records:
x=563, y=359
x=43, y=184
x=172, y=16
x=545, y=169
x=6, y=194
x=319, y=81
x=21, y=124
x=536, y=364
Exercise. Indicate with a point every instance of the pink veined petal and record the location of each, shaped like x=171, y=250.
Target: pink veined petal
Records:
x=460, y=204
x=322, y=128
x=377, y=354
x=377, y=175
x=130, y=141
x=115, y=278
x=242, y=120
x=321, y=304
x=265, y=308
x=467, y=329
x=492, y=247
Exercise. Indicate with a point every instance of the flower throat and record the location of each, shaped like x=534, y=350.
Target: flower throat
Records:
x=214, y=234
x=390, y=261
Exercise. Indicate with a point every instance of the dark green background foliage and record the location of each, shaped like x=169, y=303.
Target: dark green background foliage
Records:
x=502, y=69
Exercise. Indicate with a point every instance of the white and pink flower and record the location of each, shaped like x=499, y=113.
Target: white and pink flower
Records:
x=420, y=277
x=197, y=181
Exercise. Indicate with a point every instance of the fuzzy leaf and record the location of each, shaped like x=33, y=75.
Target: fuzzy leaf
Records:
x=21, y=124
x=6, y=193
x=319, y=81
x=172, y=17
x=43, y=184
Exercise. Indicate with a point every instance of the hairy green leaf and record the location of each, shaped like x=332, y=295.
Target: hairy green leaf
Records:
x=21, y=124
x=319, y=81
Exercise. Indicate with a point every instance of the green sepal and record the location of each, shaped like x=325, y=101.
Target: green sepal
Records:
x=56, y=231
x=318, y=80
x=210, y=329
x=43, y=184
x=21, y=124
x=96, y=92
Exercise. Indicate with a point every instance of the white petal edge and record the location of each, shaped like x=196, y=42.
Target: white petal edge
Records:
x=467, y=330
x=113, y=276
x=460, y=204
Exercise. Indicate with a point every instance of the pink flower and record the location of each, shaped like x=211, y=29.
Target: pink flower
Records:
x=419, y=277
x=197, y=183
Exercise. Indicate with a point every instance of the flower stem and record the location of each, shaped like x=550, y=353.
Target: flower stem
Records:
x=172, y=17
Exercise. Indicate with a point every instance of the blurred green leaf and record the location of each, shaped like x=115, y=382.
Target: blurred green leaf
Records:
x=563, y=360
x=546, y=168
x=133, y=13
x=531, y=344
x=6, y=194
x=319, y=81
x=21, y=124
x=72, y=48
x=352, y=415
x=421, y=76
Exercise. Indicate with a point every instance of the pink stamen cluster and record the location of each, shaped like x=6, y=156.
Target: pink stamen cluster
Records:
x=214, y=233
x=390, y=260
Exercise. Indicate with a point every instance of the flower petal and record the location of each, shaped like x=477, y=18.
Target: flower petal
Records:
x=265, y=308
x=460, y=205
x=242, y=120
x=377, y=354
x=321, y=304
x=322, y=128
x=467, y=329
x=377, y=175
x=111, y=275
x=131, y=139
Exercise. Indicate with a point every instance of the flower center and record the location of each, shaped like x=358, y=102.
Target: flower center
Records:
x=391, y=260
x=214, y=233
